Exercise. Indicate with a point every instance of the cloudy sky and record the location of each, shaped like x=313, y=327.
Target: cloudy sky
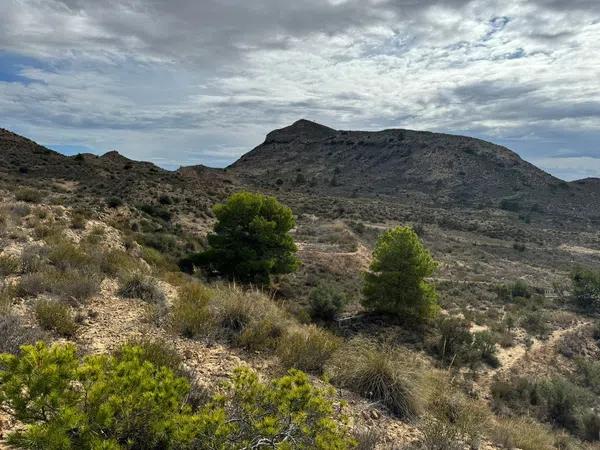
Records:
x=184, y=82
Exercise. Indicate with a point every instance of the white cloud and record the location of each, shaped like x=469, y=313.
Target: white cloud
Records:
x=204, y=81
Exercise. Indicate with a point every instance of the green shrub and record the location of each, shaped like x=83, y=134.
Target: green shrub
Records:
x=9, y=265
x=588, y=372
x=396, y=282
x=586, y=289
x=555, y=400
x=520, y=289
x=326, y=302
x=307, y=348
x=457, y=346
x=563, y=403
x=29, y=195
x=382, y=374
x=55, y=316
x=251, y=239
x=112, y=403
x=156, y=211
x=114, y=202
x=535, y=322
x=126, y=402
x=143, y=287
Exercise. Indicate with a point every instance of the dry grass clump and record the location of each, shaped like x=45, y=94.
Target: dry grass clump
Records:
x=6, y=301
x=157, y=351
x=381, y=373
x=189, y=314
x=247, y=318
x=453, y=417
x=55, y=316
x=523, y=433
x=29, y=195
x=9, y=265
x=33, y=258
x=15, y=334
x=307, y=347
x=146, y=288
x=72, y=285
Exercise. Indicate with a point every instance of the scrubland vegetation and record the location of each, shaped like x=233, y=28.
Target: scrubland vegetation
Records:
x=400, y=348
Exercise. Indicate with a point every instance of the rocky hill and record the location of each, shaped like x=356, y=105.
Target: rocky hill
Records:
x=434, y=168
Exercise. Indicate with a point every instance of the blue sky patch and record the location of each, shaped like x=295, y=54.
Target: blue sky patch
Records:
x=12, y=65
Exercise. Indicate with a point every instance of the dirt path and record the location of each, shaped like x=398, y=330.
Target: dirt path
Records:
x=512, y=357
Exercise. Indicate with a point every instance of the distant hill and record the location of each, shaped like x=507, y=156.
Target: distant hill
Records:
x=434, y=168
x=306, y=158
x=93, y=178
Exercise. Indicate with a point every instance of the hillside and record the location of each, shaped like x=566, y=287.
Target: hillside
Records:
x=89, y=255
x=432, y=168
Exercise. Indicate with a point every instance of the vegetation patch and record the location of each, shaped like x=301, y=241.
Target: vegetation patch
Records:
x=384, y=374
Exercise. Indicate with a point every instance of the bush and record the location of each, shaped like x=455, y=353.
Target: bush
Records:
x=523, y=433
x=15, y=334
x=247, y=318
x=588, y=373
x=114, y=202
x=9, y=265
x=457, y=346
x=520, y=289
x=158, y=352
x=456, y=418
x=586, y=289
x=251, y=239
x=189, y=314
x=535, y=322
x=382, y=374
x=307, y=348
x=555, y=400
x=73, y=285
x=142, y=287
x=326, y=302
x=29, y=195
x=33, y=258
x=156, y=211
x=396, y=282
x=125, y=401
x=563, y=403
x=55, y=316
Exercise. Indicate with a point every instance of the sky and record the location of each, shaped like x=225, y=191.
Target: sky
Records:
x=185, y=82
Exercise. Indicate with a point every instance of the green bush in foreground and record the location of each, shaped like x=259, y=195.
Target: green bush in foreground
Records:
x=395, y=283
x=125, y=402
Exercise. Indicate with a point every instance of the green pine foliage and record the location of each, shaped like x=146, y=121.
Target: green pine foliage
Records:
x=251, y=240
x=396, y=282
x=127, y=402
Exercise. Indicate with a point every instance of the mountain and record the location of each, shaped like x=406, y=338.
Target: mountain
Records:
x=24, y=162
x=433, y=168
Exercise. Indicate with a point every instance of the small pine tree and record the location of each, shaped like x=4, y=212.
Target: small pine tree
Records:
x=251, y=239
x=396, y=282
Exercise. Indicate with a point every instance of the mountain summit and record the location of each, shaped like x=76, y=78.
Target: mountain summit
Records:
x=433, y=167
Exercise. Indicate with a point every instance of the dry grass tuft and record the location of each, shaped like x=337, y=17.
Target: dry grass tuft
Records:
x=382, y=373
